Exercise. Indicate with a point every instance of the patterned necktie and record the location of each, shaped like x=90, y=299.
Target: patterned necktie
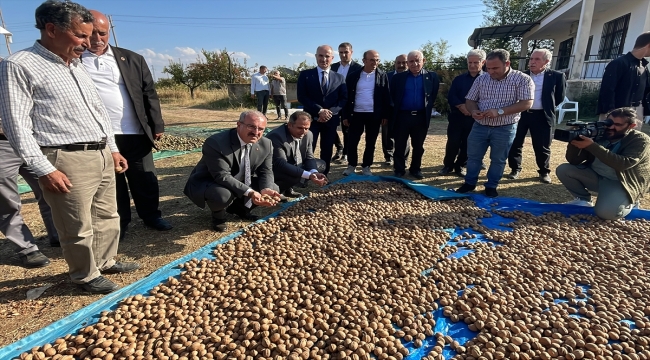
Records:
x=323, y=84
x=297, y=154
x=247, y=172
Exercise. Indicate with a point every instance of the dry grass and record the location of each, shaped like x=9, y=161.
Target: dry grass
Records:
x=20, y=317
x=179, y=96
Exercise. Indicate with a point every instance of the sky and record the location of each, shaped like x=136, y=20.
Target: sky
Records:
x=272, y=32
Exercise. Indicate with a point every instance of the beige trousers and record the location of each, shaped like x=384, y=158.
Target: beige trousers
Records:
x=86, y=218
x=639, y=117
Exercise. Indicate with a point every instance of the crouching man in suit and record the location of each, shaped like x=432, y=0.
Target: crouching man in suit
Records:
x=293, y=156
x=235, y=171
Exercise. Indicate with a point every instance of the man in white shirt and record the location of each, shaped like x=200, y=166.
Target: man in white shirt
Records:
x=127, y=89
x=366, y=111
x=260, y=89
x=344, y=67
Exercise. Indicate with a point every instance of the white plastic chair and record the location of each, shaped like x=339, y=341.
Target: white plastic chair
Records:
x=561, y=110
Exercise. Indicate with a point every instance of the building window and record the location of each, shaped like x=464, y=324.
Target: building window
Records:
x=588, y=51
x=613, y=38
x=564, y=54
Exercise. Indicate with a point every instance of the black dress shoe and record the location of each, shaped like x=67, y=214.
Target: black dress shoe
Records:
x=460, y=171
x=444, y=171
x=34, y=259
x=465, y=188
x=219, y=225
x=159, y=224
x=242, y=214
x=399, y=174
x=417, y=174
x=292, y=194
x=514, y=174
x=491, y=192
x=122, y=267
x=338, y=155
x=99, y=285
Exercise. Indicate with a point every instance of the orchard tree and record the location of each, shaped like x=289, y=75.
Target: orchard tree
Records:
x=192, y=75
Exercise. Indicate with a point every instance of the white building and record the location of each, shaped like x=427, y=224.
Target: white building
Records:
x=588, y=34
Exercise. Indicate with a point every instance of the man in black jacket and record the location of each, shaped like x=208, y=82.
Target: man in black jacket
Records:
x=127, y=89
x=626, y=80
x=460, y=119
x=344, y=67
x=549, y=91
x=293, y=157
x=368, y=108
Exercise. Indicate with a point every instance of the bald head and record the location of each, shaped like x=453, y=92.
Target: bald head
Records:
x=99, y=38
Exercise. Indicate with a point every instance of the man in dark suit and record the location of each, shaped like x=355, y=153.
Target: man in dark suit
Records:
x=323, y=94
x=413, y=93
x=344, y=67
x=293, y=156
x=127, y=89
x=367, y=109
x=222, y=180
x=539, y=119
x=387, y=140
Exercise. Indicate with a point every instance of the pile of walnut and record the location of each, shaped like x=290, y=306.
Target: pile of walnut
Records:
x=339, y=276
x=271, y=199
x=178, y=143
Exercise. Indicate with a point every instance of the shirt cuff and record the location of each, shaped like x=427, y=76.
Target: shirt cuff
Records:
x=248, y=192
x=42, y=168
x=306, y=174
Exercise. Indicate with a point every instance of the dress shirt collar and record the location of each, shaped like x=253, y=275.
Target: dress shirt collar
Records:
x=108, y=52
x=540, y=73
x=642, y=61
x=241, y=142
x=327, y=71
x=47, y=54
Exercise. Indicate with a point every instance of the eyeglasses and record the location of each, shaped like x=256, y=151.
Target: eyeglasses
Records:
x=253, y=127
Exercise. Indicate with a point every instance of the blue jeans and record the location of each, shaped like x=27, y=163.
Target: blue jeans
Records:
x=499, y=139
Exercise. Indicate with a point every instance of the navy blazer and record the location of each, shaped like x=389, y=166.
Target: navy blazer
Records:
x=353, y=67
x=284, y=156
x=431, y=84
x=552, y=92
x=220, y=163
x=313, y=100
x=381, y=95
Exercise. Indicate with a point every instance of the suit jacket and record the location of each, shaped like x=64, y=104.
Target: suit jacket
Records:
x=390, y=75
x=431, y=84
x=381, y=95
x=142, y=91
x=353, y=67
x=619, y=83
x=312, y=98
x=284, y=157
x=221, y=161
x=552, y=92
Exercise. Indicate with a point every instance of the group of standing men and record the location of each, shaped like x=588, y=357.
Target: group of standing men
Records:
x=79, y=120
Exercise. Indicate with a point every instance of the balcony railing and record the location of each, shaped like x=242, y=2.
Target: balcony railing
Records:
x=594, y=67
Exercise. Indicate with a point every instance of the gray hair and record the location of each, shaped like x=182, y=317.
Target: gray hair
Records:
x=416, y=53
x=477, y=52
x=325, y=47
x=500, y=54
x=251, y=113
x=294, y=117
x=547, y=53
x=61, y=14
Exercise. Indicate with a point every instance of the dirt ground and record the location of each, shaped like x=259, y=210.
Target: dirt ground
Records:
x=20, y=317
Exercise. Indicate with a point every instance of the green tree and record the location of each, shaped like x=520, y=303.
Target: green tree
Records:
x=506, y=12
x=291, y=74
x=435, y=54
x=223, y=68
x=192, y=75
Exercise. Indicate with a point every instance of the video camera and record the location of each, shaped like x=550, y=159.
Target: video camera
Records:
x=595, y=130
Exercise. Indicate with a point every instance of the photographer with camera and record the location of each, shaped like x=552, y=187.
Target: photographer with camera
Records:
x=616, y=166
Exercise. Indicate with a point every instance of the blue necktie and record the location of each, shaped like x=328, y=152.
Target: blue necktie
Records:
x=323, y=84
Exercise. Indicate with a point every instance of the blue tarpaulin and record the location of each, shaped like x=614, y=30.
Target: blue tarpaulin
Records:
x=458, y=331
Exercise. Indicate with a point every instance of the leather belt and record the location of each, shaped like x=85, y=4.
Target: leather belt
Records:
x=79, y=146
x=3, y=137
x=412, y=112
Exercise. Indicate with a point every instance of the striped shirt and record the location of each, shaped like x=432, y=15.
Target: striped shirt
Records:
x=45, y=102
x=497, y=94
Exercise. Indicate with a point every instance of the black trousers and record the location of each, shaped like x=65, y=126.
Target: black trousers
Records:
x=262, y=100
x=387, y=143
x=541, y=132
x=141, y=178
x=219, y=198
x=280, y=101
x=360, y=122
x=284, y=182
x=458, y=130
x=327, y=133
x=343, y=146
x=414, y=127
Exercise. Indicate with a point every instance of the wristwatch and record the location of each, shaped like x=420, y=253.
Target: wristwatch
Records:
x=500, y=112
